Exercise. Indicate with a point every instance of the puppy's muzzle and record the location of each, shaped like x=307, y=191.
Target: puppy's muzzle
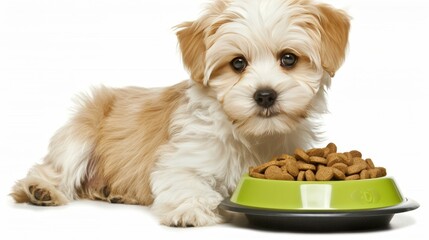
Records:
x=265, y=97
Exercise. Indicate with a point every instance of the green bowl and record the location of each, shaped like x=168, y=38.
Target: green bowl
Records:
x=317, y=195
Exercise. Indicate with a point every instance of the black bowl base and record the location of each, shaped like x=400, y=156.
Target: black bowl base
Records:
x=320, y=221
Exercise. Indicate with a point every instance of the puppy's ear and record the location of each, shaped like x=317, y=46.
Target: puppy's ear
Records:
x=191, y=37
x=335, y=26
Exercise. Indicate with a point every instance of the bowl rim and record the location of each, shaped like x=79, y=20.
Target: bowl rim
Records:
x=336, y=195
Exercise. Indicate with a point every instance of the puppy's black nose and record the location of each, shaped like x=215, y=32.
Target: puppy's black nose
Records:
x=265, y=97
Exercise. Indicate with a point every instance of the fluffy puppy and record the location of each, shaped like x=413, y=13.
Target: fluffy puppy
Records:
x=259, y=71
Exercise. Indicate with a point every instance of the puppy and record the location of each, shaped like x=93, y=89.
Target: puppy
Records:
x=259, y=71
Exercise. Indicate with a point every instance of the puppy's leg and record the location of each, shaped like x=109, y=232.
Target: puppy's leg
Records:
x=61, y=177
x=184, y=199
x=54, y=182
x=39, y=187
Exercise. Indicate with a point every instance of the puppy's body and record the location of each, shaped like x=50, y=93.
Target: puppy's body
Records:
x=183, y=149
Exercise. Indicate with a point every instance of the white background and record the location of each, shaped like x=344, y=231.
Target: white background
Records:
x=52, y=49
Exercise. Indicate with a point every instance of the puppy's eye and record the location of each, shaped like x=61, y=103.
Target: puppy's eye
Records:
x=288, y=60
x=239, y=64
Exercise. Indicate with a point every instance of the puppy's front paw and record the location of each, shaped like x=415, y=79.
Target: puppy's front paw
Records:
x=193, y=212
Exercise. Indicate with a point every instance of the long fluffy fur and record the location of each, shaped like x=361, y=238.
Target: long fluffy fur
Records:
x=182, y=149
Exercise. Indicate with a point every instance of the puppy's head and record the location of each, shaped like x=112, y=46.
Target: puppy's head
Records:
x=266, y=61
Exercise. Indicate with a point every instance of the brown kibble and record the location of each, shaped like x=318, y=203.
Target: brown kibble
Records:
x=364, y=174
x=318, y=164
x=301, y=176
x=344, y=159
x=333, y=162
x=353, y=177
x=275, y=173
x=319, y=167
x=252, y=173
x=309, y=176
x=349, y=160
x=306, y=166
x=292, y=168
x=326, y=152
x=374, y=173
x=285, y=162
x=332, y=147
x=282, y=162
x=341, y=166
x=338, y=174
x=369, y=163
x=261, y=168
x=318, y=160
x=332, y=159
x=287, y=157
x=355, y=168
x=301, y=155
x=358, y=160
x=256, y=175
x=348, y=155
x=316, y=152
x=324, y=174
x=332, y=156
x=356, y=153
x=287, y=176
x=382, y=170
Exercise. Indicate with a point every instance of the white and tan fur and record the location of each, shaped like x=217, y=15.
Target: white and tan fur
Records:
x=182, y=149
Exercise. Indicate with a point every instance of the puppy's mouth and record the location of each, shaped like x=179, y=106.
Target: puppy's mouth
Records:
x=274, y=112
x=268, y=113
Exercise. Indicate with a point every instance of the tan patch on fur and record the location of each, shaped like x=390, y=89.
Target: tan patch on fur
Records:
x=335, y=26
x=191, y=42
x=192, y=36
x=134, y=123
x=220, y=70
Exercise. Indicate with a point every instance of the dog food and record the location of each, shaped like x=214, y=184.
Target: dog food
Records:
x=319, y=164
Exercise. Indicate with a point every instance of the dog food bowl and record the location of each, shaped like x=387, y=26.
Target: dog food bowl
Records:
x=318, y=205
